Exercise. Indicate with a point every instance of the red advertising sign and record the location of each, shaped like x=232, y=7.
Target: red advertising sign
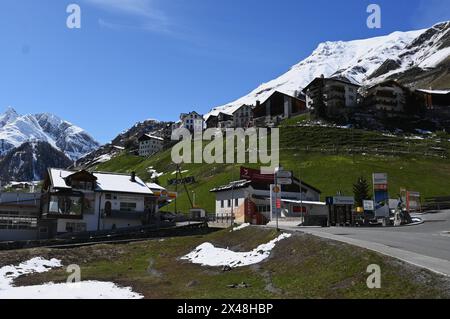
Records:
x=256, y=176
x=278, y=203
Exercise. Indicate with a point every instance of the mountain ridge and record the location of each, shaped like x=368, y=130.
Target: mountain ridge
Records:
x=16, y=129
x=362, y=61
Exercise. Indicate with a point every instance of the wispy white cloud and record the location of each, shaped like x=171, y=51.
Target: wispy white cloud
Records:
x=146, y=15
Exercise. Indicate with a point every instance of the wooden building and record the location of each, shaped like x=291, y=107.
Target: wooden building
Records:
x=277, y=107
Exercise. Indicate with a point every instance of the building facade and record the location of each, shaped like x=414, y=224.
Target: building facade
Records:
x=192, y=121
x=277, y=107
x=388, y=97
x=19, y=217
x=80, y=201
x=335, y=95
x=249, y=200
x=150, y=145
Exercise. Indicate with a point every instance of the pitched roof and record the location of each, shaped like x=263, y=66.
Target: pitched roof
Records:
x=150, y=137
x=106, y=182
x=338, y=79
x=389, y=83
x=231, y=186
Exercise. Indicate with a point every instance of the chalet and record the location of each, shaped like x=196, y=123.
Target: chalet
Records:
x=191, y=121
x=249, y=199
x=212, y=121
x=389, y=97
x=335, y=95
x=275, y=108
x=225, y=120
x=150, y=145
x=79, y=201
x=232, y=117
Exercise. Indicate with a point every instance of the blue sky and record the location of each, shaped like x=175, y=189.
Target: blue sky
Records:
x=139, y=59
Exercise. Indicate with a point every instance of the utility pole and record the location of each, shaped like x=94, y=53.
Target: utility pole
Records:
x=232, y=197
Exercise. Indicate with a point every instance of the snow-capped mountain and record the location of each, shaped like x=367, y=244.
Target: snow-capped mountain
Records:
x=363, y=62
x=17, y=129
x=30, y=161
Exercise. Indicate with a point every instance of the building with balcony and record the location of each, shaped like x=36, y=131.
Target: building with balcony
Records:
x=233, y=117
x=79, y=201
x=331, y=96
x=388, y=97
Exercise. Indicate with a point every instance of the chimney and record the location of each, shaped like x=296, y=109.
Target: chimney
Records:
x=133, y=177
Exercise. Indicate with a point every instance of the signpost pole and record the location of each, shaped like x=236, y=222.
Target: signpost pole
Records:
x=276, y=199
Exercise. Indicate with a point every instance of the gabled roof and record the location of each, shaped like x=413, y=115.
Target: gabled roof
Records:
x=146, y=137
x=226, y=110
x=278, y=92
x=389, y=83
x=184, y=115
x=106, y=182
x=231, y=186
x=338, y=79
x=245, y=183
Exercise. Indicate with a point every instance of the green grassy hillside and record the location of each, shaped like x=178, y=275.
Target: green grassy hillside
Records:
x=329, y=158
x=302, y=266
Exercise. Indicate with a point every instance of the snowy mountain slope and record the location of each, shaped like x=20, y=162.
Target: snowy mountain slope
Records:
x=71, y=139
x=17, y=129
x=30, y=161
x=361, y=61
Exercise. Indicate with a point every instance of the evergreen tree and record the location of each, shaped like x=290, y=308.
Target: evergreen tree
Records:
x=362, y=191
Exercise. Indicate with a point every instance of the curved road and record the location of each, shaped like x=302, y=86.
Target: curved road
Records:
x=426, y=245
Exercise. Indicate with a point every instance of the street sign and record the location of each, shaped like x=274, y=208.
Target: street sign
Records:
x=380, y=179
x=284, y=174
x=369, y=205
x=343, y=200
x=284, y=181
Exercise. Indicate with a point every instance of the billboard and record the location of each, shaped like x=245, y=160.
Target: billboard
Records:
x=381, y=194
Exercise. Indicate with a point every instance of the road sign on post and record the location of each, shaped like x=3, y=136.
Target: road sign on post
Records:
x=368, y=205
x=284, y=177
x=284, y=174
x=284, y=181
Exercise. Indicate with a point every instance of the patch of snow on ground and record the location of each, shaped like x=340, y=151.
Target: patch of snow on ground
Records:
x=241, y=227
x=208, y=255
x=81, y=290
x=154, y=174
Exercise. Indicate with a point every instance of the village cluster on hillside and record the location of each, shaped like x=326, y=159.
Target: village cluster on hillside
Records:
x=333, y=99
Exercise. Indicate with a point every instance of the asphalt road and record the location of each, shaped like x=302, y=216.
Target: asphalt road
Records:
x=426, y=245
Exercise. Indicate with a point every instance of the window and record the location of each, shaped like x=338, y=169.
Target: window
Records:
x=236, y=202
x=65, y=205
x=229, y=203
x=128, y=207
x=108, y=196
x=222, y=204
